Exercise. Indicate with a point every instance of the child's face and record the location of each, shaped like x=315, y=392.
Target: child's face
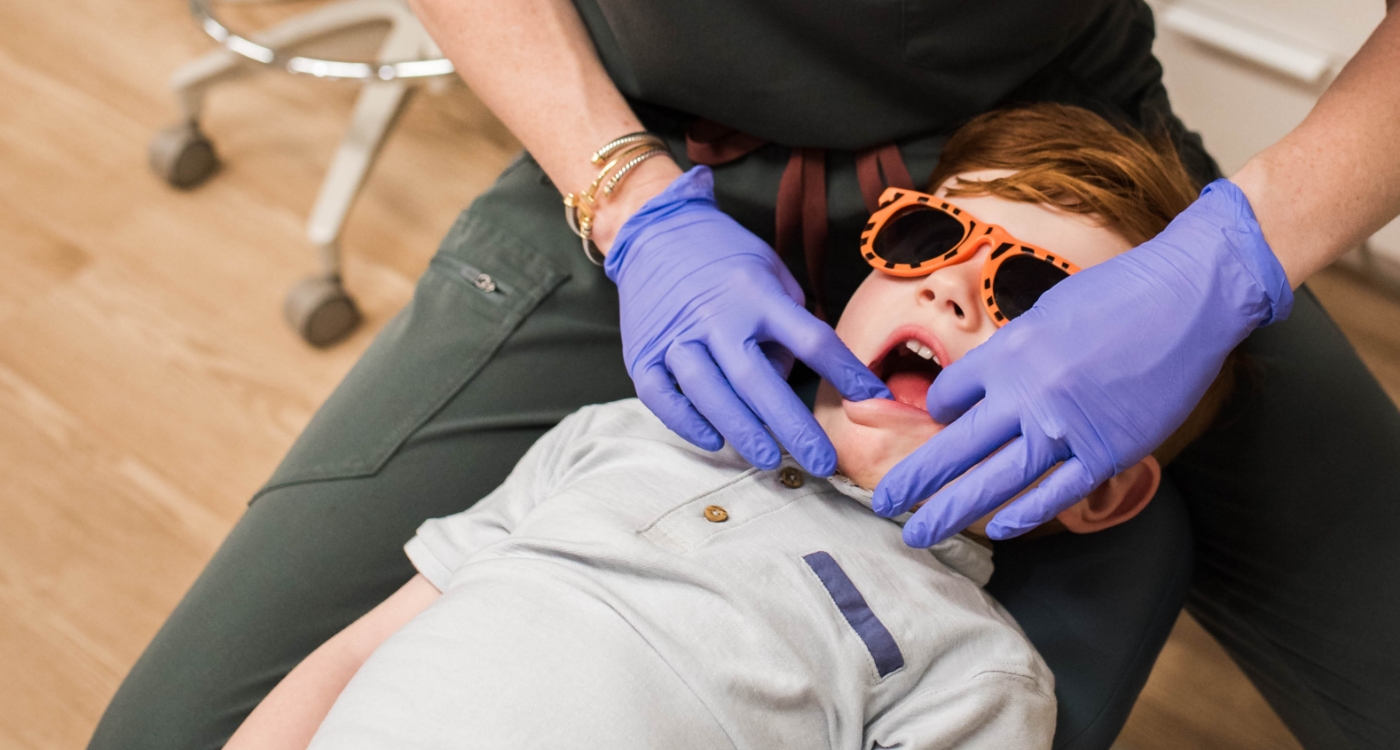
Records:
x=941, y=311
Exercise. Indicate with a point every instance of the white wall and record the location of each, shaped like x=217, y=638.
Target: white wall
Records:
x=1245, y=72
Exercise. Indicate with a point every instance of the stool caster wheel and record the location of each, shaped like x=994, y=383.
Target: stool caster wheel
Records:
x=320, y=311
x=182, y=156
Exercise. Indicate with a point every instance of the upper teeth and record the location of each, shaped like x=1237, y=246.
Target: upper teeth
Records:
x=921, y=350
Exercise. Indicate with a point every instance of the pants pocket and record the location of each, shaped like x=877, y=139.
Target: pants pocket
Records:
x=482, y=284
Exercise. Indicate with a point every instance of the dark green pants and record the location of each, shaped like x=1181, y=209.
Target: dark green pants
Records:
x=1293, y=504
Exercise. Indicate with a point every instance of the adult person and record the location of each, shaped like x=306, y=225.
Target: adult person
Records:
x=512, y=327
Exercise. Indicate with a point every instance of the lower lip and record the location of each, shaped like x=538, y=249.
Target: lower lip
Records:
x=882, y=412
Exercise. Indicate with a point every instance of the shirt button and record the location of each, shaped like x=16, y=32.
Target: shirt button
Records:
x=790, y=477
x=716, y=514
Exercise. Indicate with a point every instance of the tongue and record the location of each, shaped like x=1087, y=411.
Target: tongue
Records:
x=910, y=388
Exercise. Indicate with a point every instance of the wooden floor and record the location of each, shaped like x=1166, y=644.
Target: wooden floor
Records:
x=148, y=384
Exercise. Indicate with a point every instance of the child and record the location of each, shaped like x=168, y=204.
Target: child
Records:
x=625, y=589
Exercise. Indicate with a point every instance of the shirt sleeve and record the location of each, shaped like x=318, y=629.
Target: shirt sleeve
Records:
x=442, y=545
x=992, y=711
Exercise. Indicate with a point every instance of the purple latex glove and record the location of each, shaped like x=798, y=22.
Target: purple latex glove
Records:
x=1105, y=366
x=709, y=307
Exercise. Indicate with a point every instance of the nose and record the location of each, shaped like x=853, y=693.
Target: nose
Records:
x=953, y=291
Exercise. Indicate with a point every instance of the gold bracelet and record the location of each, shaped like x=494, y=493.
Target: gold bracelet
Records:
x=629, y=166
x=628, y=151
x=616, y=143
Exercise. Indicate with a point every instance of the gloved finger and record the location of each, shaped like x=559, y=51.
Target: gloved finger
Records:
x=1068, y=485
x=790, y=285
x=770, y=396
x=977, y=493
x=815, y=343
x=781, y=359
x=946, y=456
x=702, y=381
x=958, y=387
x=658, y=393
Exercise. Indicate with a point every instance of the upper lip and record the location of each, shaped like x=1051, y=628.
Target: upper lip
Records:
x=904, y=333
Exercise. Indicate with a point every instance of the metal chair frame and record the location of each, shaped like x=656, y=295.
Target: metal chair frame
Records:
x=318, y=308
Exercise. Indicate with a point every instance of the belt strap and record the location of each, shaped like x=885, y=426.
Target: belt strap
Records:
x=801, y=205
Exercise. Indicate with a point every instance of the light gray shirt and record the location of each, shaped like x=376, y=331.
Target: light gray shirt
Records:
x=783, y=611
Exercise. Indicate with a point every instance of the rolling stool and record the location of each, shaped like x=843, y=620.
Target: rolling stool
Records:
x=317, y=308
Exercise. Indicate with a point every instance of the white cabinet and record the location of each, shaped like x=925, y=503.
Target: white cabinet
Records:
x=1335, y=26
x=1243, y=73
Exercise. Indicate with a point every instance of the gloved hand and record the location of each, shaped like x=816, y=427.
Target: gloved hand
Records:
x=709, y=307
x=1105, y=366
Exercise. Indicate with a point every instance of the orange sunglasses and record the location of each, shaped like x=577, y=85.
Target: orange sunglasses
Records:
x=915, y=234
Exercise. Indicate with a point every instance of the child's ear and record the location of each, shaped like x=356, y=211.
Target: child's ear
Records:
x=1115, y=501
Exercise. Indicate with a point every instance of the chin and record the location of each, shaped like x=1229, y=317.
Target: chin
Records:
x=871, y=436
x=866, y=454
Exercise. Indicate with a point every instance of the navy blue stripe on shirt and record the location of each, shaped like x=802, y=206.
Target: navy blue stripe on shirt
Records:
x=878, y=640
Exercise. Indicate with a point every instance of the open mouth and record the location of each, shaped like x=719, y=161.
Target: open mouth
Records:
x=908, y=366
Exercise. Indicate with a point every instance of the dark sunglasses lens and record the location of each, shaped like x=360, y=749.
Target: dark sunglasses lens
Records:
x=917, y=234
x=1019, y=282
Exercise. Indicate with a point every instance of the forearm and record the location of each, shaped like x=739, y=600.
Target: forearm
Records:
x=1335, y=179
x=532, y=63
x=290, y=715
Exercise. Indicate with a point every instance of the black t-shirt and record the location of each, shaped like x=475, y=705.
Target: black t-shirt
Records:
x=849, y=74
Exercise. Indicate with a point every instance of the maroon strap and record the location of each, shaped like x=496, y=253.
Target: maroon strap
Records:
x=880, y=167
x=801, y=207
x=802, y=210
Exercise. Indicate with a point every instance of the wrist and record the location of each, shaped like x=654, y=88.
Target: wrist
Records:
x=1256, y=180
x=644, y=183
